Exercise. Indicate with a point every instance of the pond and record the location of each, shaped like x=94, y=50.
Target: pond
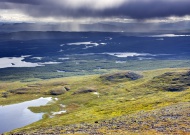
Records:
x=18, y=115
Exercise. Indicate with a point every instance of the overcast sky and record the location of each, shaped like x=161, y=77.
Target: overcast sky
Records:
x=94, y=10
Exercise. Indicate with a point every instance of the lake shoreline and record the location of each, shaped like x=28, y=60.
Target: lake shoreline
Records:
x=18, y=115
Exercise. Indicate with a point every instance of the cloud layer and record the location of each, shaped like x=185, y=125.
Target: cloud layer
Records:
x=136, y=9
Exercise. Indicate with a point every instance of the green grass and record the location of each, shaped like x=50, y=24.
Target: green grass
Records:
x=87, y=66
x=115, y=99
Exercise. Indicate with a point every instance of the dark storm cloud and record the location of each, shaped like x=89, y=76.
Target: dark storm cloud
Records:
x=137, y=9
x=33, y=2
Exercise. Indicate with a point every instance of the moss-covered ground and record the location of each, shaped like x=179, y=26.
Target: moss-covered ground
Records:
x=112, y=99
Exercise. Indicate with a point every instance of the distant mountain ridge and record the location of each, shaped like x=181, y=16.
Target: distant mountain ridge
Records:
x=182, y=26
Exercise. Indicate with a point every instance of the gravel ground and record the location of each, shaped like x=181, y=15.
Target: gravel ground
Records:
x=170, y=120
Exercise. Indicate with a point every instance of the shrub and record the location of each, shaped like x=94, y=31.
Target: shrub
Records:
x=5, y=94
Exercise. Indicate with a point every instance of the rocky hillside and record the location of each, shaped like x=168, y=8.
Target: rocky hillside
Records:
x=149, y=102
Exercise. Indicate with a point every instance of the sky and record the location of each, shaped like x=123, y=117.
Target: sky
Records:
x=91, y=11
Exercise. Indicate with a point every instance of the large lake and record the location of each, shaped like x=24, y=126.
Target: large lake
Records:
x=18, y=115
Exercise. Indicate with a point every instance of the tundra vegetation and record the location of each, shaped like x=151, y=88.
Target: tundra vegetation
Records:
x=120, y=102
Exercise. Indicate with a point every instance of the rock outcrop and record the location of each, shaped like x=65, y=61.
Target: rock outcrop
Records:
x=171, y=81
x=121, y=76
x=83, y=91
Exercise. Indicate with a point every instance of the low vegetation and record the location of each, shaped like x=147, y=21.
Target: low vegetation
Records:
x=83, y=65
x=58, y=91
x=171, y=81
x=147, y=102
x=121, y=76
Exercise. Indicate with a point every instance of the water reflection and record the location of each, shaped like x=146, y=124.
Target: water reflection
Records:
x=18, y=115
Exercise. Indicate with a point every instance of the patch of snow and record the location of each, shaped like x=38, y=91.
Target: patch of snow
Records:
x=97, y=93
x=56, y=99
x=57, y=113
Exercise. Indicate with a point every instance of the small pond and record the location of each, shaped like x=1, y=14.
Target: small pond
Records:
x=18, y=115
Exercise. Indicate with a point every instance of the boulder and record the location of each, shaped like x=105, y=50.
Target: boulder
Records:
x=58, y=91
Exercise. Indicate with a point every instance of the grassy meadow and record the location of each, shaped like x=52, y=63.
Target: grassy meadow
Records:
x=93, y=99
